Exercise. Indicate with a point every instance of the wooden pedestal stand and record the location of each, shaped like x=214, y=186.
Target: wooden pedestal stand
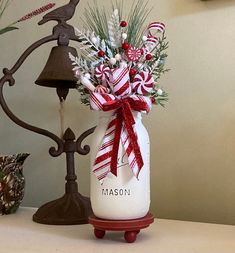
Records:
x=130, y=227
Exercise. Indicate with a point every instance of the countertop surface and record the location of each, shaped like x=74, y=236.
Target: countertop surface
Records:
x=18, y=233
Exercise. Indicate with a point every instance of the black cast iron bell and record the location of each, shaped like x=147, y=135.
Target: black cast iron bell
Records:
x=58, y=72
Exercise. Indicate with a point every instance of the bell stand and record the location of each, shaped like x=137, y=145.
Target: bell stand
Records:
x=131, y=228
x=72, y=208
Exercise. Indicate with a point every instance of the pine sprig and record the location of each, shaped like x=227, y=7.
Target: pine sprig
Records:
x=136, y=20
x=89, y=49
x=3, y=5
x=103, y=46
x=160, y=99
x=157, y=65
x=119, y=6
x=83, y=67
x=96, y=20
x=86, y=45
x=79, y=63
x=84, y=95
x=114, y=30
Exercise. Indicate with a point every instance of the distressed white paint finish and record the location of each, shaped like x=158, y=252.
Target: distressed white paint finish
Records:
x=122, y=197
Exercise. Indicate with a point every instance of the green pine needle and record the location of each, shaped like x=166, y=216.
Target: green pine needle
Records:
x=136, y=21
x=3, y=5
x=96, y=19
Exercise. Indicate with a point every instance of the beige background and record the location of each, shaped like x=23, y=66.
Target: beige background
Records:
x=193, y=139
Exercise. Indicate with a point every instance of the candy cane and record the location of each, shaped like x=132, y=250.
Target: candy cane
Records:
x=158, y=26
x=152, y=40
x=87, y=83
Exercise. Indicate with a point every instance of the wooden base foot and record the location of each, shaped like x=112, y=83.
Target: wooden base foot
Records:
x=99, y=233
x=131, y=228
x=130, y=236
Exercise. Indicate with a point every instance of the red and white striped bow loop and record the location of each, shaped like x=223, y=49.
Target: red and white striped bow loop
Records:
x=120, y=129
x=120, y=82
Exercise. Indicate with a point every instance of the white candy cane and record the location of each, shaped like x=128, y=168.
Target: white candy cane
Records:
x=87, y=83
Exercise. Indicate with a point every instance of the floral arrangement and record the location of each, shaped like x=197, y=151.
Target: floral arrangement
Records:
x=110, y=43
x=5, y=3
x=118, y=68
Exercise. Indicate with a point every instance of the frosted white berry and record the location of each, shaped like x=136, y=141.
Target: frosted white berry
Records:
x=113, y=61
x=144, y=38
x=77, y=73
x=157, y=63
x=160, y=92
x=115, y=12
x=94, y=40
x=118, y=57
x=88, y=76
x=123, y=64
x=124, y=36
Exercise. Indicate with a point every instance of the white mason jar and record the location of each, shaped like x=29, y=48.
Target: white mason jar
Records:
x=123, y=197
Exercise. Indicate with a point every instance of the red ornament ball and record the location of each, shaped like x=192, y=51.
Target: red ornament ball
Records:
x=148, y=57
x=101, y=53
x=123, y=24
x=125, y=45
x=132, y=72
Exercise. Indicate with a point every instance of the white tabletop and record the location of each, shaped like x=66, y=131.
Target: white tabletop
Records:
x=19, y=234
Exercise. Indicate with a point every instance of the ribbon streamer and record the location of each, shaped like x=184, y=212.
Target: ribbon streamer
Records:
x=120, y=129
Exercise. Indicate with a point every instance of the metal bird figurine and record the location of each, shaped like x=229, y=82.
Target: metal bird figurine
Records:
x=61, y=14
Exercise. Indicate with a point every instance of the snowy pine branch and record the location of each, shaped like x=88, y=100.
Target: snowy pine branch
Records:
x=114, y=30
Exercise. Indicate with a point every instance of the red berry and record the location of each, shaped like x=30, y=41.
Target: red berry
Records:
x=153, y=100
x=142, y=51
x=132, y=72
x=148, y=57
x=101, y=54
x=125, y=46
x=123, y=24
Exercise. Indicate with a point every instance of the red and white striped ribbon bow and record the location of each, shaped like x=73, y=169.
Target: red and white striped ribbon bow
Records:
x=120, y=129
x=157, y=27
